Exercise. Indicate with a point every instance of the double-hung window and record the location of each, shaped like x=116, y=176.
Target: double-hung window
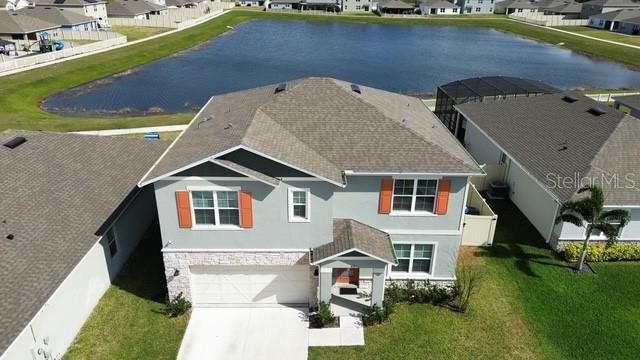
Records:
x=215, y=208
x=414, y=196
x=413, y=258
x=299, y=205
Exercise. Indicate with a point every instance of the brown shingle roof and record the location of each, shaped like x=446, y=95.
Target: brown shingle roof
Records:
x=323, y=127
x=553, y=138
x=349, y=235
x=56, y=193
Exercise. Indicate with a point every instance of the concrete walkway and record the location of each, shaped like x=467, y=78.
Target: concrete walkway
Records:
x=199, y=21
x=246, y=334
x=350, y=333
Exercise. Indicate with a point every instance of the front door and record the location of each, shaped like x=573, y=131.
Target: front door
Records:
x=348, y=276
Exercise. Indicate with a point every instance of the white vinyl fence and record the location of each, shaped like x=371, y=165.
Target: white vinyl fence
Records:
x=478, y=229
x=175, y=18
x=87, y=35
x=10, y=63
x=548, y=20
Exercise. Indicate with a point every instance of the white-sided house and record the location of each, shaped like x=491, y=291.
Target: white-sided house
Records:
x=614, y=20
x=13, y=4
x=70, y=215
x=96, y=9
x=594, y=7
x=315, y=188
x=439, y=7
x=67, y=20
x=548, y=147
x=134, y=9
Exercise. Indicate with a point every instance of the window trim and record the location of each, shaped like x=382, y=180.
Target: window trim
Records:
x=115, y=240
x=295, y=219
x=413, y=212
x=601, y=236
x=217, y=226
x=411, y=274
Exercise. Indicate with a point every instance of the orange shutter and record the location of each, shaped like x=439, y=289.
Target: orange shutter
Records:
x=183, y=201
x=246, y=209
x=386, y=196
x=443, y=197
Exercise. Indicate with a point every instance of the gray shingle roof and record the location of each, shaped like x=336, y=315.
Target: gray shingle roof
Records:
x=553, y=138
x=70, y=3
x=19, y=23
x=56, y=192
x=248, y=172
x=131, y=7
x=350, y=234
x=570, y=7
x=323, y=127
x=56, y=15
x=630, y=100
x=618, y=15
x=437, y=4
x=394, y=4
x=612, y=3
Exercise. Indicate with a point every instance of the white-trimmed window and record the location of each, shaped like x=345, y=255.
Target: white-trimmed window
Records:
x=599, y=235
x=112, y=242
x=414, y=196
x=215, y=208
x=413, y=258
x=299, y=205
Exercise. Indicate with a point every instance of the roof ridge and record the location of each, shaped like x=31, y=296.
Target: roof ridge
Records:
x=399, y=125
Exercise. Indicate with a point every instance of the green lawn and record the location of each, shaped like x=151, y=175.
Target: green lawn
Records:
x=129, y=322
x=530, y=305
x=138, y=32
x=22, y=93
x=603, y=34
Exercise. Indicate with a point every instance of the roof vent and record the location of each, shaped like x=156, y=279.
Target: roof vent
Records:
x=597, y=111
x=356, y=88
x=280, y=88
x=570, y=99
x=15, y=142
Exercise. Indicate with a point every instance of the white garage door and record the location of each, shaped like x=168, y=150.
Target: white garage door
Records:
x=237, y=285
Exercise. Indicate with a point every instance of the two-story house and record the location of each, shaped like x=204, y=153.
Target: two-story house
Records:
x=306, y=189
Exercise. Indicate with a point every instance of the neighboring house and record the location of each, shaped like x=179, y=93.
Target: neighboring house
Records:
x=13, y=4
x=356, y=5
x=96, y=9
x=516, y=6
x=67, y=20
x=569, y=10
x=629, y=26
x=438, y=7
x=182, y=3
x=134, y=9
x=477, y=6
x=18, y=26
x=549, y=146
x=282, y=4
x=480, y=89
x=594, y=7
x=70, y=215
x=395, y=7
x=628, y=104
x=250, y=3
x=614, y=20
x=275, y=194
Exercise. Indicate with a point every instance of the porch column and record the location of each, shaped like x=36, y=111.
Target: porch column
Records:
x=325, y=274
x=377, y=285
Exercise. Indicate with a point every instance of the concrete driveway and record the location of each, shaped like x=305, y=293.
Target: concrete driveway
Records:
x=246, y=333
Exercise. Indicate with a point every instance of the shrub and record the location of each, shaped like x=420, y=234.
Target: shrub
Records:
x=467, y=279
x=375, y=314
x=603, y=252
x=325, y=316
x=417, y=292
x=178, y=306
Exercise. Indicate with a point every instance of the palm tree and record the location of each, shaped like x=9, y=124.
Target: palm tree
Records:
x=588, y=212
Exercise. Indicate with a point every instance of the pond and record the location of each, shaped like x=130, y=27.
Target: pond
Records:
x=406, y=59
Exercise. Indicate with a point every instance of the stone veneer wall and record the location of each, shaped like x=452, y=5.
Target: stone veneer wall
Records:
x=182, y=261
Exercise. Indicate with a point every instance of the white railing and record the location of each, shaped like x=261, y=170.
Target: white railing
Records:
x=10, y=63
x=478, y=229
x=609, y=97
